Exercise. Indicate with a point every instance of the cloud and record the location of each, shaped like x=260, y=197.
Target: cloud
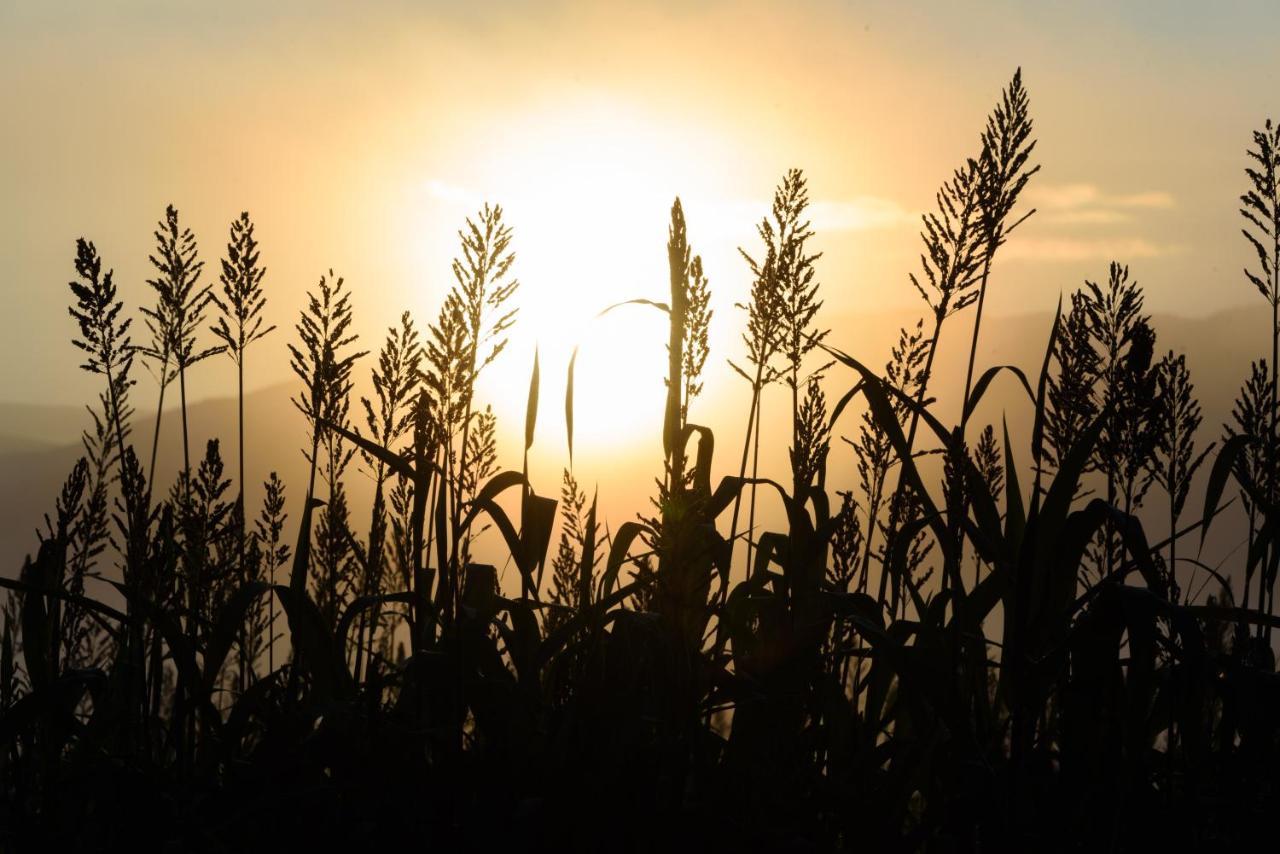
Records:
x=450, y=193
x=1154, y=199
x=735, y=217
x=1094, y=216
x=1072, y=249
x=1083, y=205
x=1086, y=204
x=862, y=213
x=1060, y=204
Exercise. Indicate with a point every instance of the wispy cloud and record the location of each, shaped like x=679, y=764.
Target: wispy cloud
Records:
x=1087, y=204
x=1073, y=249
x=450, y=193
x=859, y=213
x=862, y=213
x=1073, y=207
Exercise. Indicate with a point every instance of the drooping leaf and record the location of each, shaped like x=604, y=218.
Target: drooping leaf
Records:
x=531, y=408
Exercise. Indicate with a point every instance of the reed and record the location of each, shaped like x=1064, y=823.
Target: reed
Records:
x=852, y=687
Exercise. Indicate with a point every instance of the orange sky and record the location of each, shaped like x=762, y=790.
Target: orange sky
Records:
x=359, y=136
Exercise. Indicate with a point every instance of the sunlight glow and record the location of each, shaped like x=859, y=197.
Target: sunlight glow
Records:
x=588, y=190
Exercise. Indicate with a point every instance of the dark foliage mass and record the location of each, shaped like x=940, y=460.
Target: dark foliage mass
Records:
x=957, y=640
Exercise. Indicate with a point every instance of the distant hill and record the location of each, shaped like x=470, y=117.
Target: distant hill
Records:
x=39, y=445
x=33, y=472
x=22, y=445
x=39, y=423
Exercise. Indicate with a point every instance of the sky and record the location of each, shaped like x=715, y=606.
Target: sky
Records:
x=360, y=137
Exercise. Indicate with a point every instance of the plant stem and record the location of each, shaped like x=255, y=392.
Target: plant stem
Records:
x=742, y=467
x=155, y=436
x=973, y=345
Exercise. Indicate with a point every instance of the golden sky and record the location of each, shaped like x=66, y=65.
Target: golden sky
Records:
x=360, y=135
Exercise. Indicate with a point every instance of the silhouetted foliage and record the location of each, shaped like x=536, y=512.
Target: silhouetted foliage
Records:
x=849, y=686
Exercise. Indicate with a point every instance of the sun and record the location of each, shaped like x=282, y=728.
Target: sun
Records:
x=588, y=190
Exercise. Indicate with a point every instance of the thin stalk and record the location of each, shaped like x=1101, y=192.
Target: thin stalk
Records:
x=155, y=436
x=368, y=622
x=742, y=467
x=795, y=425
x=755, y=470
x=1275, y=404
x=271, y=612
x=939, y=316
x=186, y=452
x=115, y=417
x=240, y=510
x=973, y=345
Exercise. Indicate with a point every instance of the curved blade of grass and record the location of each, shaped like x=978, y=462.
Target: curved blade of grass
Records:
x=1015, y=514
x=531, y=408
x=493, y=487
x=392, y=460
x=72, y=598
x=843, y=402
x=573, y=361
x=980, y=387
x=587, y=617
x=568, y=403
x=302, y=551
x=627, y=534
x=1037, y=427
x=587, y=565
x=706, y=449
x=537, y=518
x=226, y=627
x=363, y=603
x=898, y=561
x=1225, y=463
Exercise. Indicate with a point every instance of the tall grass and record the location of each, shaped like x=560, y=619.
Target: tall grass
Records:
x=954, y=640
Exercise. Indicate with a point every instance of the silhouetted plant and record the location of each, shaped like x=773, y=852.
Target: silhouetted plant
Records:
x=468, y=336
x=240, y=325
x=989, y=463
x=954, y=255
x=1072, y=404
x=1251, y=421
x=204, y=520
x=401, y=525
x=680, y=263
x=322, y=360
x=1175, y=419
x=768, y=316
x=797, y=290
x=334, y=558
x=159, y=322
x=395, y=380
x=482, y=462
x=1260, y=207
x=1004, y=170
x=1122, y=341
x=11, y=687
x=572, y=569
x=679, y=536
x=787, y=708
x=334, y=562
x=813, y=440
x=987, y=459
x=104, y=335
x=184, y=301
x=275, y=552
x=875, y=452
x=846, y=544
x=697, y=319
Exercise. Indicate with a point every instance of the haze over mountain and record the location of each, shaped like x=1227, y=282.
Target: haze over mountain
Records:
x=40, y=444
